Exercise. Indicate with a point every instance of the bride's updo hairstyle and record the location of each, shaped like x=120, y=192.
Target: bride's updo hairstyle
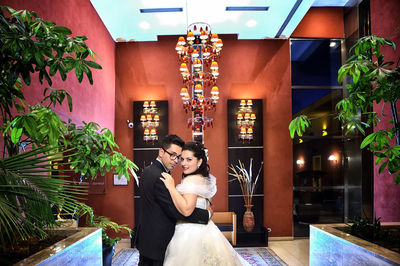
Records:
x=199, y=152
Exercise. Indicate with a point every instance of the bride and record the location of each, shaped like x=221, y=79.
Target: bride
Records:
x=196, y=244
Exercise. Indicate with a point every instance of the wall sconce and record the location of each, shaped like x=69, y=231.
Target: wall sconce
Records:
x=300, y=162
x=150, y=121
x=245, y=120
x=324, y=132
x=332, y=158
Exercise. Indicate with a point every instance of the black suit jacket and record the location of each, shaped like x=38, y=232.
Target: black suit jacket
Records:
x=159, y=214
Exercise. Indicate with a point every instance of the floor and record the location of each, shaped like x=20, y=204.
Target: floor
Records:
x=293, y=252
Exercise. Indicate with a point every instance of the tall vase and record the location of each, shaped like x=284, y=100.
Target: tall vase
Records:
x=248, y=219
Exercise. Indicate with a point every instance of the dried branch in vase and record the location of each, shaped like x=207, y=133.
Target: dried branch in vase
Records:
x=245, y=178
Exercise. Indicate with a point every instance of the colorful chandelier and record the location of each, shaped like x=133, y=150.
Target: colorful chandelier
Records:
x=245, y=120
x=199, y=54
x=150, y=121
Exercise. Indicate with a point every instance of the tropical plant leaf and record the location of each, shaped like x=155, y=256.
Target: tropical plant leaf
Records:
x=29, y=193
x=368, y=140
x=93, y=64
x=298, y=125
x=62, y=30
x=383, y=166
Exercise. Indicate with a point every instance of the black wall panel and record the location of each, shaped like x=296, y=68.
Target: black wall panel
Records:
x=243, y=151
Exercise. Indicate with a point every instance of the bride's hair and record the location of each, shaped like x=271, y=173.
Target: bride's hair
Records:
x=199, y=151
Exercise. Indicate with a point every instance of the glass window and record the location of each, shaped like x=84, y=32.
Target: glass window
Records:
x=326, y=164
x=315, y=62
x=318, y=105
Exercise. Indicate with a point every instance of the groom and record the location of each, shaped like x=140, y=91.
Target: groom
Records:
x=158, y=213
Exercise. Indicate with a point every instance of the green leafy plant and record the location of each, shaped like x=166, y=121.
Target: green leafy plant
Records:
x=31, y=45
x=34, y=137
x=96, y=151
x=368, y=230
x=374, y=80
x=102, y=222
x=371, y=230
x=299, y=125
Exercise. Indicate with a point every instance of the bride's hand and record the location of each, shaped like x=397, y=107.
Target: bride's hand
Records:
x=168, y=180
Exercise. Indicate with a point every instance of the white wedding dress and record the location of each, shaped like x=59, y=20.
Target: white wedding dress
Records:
x=200, y=244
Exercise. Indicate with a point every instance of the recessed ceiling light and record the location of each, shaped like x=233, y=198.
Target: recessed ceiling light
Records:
x=160, y=10
x=251, y=23
x=247, y=8
x=332, y=44
x=144, y=25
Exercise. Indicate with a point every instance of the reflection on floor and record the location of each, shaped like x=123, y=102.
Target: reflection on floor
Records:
x=292, y=252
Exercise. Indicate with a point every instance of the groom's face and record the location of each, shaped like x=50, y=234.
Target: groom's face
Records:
x=171, y=156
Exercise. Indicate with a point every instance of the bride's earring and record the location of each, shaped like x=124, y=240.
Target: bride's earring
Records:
x=198, y=166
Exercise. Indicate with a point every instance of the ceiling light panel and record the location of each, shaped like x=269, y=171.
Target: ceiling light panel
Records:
x=144, y=20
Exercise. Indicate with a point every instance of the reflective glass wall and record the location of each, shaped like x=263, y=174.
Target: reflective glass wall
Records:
x=327, y=165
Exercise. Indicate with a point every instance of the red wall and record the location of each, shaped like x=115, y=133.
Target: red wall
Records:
x=321, y=22
x=90, y=103
x=385, y=23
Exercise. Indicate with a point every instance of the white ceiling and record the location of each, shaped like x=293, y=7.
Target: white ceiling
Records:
x=144, y=20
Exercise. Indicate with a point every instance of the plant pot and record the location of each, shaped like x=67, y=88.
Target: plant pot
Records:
x=248, y=219
x=329, y=245
x=108, y=252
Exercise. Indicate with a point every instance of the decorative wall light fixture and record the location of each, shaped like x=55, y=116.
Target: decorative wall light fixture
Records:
x=245, y=120
x=300, y=162
x=324, y=129
x=150, y=121
x=198, y=54
x=332, y=158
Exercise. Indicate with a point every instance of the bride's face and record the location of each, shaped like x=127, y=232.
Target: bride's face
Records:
x=189, y=162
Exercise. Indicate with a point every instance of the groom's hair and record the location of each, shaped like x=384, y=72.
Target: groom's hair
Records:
x=171, y=139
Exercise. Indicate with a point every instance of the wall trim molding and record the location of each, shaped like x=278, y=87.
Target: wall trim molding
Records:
x=280, y=238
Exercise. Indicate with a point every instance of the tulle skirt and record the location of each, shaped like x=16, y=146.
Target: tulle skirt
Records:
x=200, y=244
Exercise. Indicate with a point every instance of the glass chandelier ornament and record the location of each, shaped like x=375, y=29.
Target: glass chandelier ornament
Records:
x=245, y=120
x=150, y=121
x=199, y=54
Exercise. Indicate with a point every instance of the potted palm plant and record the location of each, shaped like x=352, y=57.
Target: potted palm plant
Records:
x=34, y=137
